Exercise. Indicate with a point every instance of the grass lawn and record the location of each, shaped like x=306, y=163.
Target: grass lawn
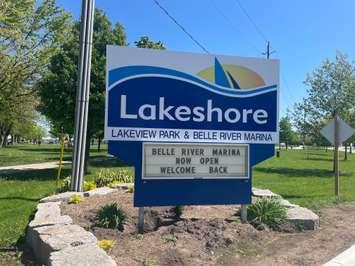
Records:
x=306, y=177
x=33, y=153
x=303, y=177
x=20, y=192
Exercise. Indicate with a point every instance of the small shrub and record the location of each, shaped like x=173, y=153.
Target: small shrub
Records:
x=75, y=199
x=108, y=176
x=65, y=184
x=149, y=262
x=111, y=216
x=268, y=212
x=106, y=244
x=130, y=188
x=177, y=211
x=89, y=185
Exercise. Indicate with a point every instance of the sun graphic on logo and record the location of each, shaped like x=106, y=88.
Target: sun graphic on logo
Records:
x=232, y=76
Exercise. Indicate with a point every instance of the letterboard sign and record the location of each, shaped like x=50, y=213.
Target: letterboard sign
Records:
x=183, y=161
x=192, y=125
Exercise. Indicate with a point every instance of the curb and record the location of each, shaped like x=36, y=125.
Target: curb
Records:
x=346, y=258
x=56, y=241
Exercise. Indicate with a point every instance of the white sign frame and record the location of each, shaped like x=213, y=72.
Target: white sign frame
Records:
x=247, y=162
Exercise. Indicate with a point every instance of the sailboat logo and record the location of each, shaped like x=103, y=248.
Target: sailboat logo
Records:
x=232, y=76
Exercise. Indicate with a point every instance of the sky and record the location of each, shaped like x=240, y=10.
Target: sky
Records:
x=303, y=33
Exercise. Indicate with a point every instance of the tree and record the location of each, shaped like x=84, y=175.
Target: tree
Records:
x=331, y=88
x=57, y=88
x=144, y=42
x=331, y=92
x=29, y=34
x=286, y=134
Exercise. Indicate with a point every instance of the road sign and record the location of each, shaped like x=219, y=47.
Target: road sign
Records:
x=345, y=131
x=192, y=125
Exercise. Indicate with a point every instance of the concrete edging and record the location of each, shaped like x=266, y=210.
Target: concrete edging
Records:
x=346, y=258
x=56, y=241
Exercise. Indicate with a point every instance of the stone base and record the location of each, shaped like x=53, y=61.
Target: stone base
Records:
x=81, y=255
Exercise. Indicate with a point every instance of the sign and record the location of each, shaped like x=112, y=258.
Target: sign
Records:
x=159, y=103
x=182, y=161
x=345, y=131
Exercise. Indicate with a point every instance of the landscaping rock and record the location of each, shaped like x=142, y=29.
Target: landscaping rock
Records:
x=263, y=193
x=49, y=214
x=99, y=191
x=121, y=186
x=61, y=197
x=59, y=237
x=287, y=204
x=302, y=218
x=81, y=255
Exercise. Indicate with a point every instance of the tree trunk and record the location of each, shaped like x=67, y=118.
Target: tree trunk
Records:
x=87, y=154
x=351, y=148
x=99, y=144
x=286, y=145
x=346, y=152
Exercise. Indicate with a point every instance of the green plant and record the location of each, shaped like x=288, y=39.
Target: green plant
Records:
x=109, y=176
x=88, y=185
x=111, y=216
x=149, y=262
x=75, y=199
x=177, y=210
x=130, y=188
x=267, y=211
x=65, y=184
x=106, y=244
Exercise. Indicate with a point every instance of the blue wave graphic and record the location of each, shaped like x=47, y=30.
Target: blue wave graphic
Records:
x=120, y=73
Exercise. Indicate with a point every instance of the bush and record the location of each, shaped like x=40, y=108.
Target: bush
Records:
x=109, y=176
x=65, y=184
x=268, y=212
x=75, y=199
x=177, y=210
x=111, y=216
x=130, y=188
x=89, y=185
x=106, y=244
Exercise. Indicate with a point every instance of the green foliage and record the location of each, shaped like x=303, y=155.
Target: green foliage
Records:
x=30, y=33
x=75, y=199
x=177, y=210
x=106, y=177
x=144, y=42
x=130, y=188
x=267, y=211
x=286, y=133
x=65, y=184
x=149, y=262
x=331, y=91
x=106, y=244
x=89, y=185
x=111, y=216
x=57, y=88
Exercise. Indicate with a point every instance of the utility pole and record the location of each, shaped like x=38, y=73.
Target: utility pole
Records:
x=82, y=95
x=336, y=156
x=268, y=52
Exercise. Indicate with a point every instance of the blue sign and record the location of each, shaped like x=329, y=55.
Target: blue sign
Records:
x=192, y=125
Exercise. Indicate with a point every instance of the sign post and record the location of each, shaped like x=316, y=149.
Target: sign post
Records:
x=192, y=125
x=336, y=132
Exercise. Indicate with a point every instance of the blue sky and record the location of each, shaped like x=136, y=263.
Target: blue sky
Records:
x=302, y=32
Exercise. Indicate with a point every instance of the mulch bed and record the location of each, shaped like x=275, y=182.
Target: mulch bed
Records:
x=212, y=235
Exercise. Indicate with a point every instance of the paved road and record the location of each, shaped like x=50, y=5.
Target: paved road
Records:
x=35, y=166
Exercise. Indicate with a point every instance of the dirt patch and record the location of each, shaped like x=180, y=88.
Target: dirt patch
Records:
x=212, y=235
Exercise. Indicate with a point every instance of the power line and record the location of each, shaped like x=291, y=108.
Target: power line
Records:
x=181, y=27
x=252, y=21
x=233, y=25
